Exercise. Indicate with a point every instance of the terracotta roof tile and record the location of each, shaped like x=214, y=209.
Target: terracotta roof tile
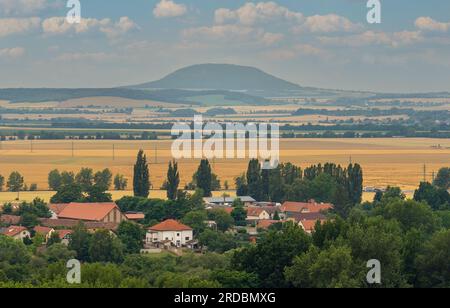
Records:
x=170, y=225
x=299, y=207
x=87, y=211
x=13, y=230
x=43, y=230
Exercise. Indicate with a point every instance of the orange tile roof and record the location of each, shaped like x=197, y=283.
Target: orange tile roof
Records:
x=43, y=230
x=63, y=233
x=170, y=225
x=57, y=207
x=265, y=224
x=299, y=207
x=87, y=211
x=254, y=211
x=135, y=216
x=13, y=230
x=309, y=225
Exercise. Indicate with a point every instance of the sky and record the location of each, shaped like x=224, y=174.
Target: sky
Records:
x=320, y=43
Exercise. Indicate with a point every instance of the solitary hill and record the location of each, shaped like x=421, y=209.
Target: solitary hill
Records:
x=221, y=77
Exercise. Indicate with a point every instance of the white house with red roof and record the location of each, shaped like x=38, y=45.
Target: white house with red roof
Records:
x=16, y=232
x=170, y=233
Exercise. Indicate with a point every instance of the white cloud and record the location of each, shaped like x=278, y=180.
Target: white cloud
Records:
x=328, y=24
x=168, y=8
x=26, y=7
x=251, y=14
x=395, y=39
x=59, y=25
x=11, y=26
x=232, y=33
x=12, y=53
x=429, y=24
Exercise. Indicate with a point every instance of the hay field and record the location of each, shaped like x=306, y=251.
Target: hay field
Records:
x=385, y=162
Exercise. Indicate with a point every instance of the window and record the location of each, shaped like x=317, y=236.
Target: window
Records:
x=187, y=238
x=178, y=234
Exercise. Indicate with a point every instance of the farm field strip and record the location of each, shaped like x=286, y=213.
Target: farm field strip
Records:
x=385, y=161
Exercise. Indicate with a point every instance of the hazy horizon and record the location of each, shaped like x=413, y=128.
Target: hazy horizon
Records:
x=310, y=43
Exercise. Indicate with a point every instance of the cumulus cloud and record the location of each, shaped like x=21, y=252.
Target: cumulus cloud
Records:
x=11, y=26
x=254, y=13
x=168, y=8
x=233, y=33
x=328, y=24
x=59, y=25
x=429, y=24
x=12, y=53
x=25, y=7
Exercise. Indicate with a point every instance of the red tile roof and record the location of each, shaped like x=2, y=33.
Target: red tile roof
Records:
x=265, y=224
x=63, y=233
x=309, y=225
x=10, y=219
x=43, y=230
x=57, y=207
x=87, y=211
x=299, y=207
x=170, y=225
x=13, y=230
x=135, y=216
x=254, y=211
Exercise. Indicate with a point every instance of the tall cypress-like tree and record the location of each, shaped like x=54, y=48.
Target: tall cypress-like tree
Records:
x=141, y=178
x=254, y=179
x=173, y=180
x=265, y=180
x=204, y=177
x=355, y=183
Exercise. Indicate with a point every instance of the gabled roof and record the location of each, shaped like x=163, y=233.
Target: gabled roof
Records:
x=265, y=224
x=299, y=207
x=10, y=219
x=13, y=230
x=43, y=230
x=254, y=211
x=87, y=211
x=170, y=225
x=63, y=233
x=57, y=207
x=309, y=225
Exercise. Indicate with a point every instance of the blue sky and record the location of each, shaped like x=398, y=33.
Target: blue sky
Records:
x=322, y=43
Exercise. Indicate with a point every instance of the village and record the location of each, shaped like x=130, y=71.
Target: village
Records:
x=170, y=235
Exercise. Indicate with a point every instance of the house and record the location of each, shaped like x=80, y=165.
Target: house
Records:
x=107, y=212
x=308, y=225
x=265, y=224
x=46, y=232
x=135, y=216
x=257, y=213
x=16, y=232
x=9, y=220
x=169, y=233
x=65, y=236
x=288, y=209
x=228, y=201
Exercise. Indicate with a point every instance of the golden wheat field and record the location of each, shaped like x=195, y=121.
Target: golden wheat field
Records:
x=398, y=162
